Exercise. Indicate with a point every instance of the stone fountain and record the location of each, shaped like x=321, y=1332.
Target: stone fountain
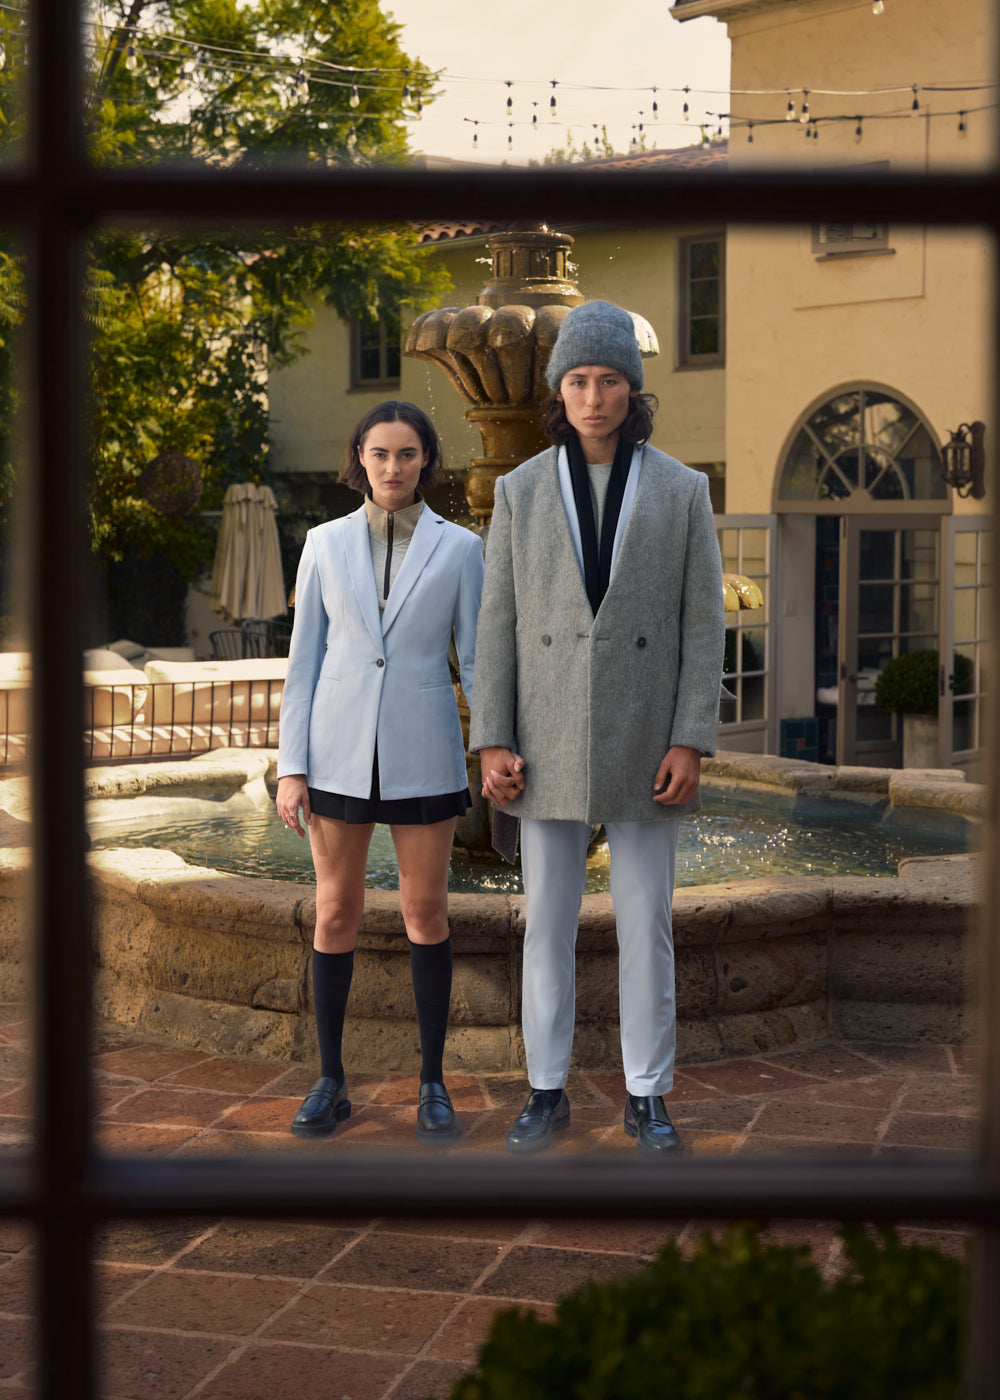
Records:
x=496, y=352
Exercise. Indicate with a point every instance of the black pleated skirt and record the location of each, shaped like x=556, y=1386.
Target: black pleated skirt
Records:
x=397, y=811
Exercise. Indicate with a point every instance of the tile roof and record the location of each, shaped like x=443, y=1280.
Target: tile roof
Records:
x=707, y=156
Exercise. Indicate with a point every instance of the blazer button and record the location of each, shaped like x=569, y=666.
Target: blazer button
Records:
x=380, y=662
x=546, y=639
x=640, y=641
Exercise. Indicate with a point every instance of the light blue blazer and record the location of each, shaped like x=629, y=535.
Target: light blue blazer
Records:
x=353, y=678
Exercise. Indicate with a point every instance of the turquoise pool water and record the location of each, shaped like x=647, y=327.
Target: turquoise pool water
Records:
x=732, y=838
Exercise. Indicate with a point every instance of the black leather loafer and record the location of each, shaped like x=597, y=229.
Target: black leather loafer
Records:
x=436, y=1121
x=325, y=1105
x=647, y=1119
x=545, y=1113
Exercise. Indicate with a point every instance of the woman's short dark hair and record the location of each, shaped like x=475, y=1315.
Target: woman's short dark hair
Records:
x=638, y=425
x=352, y=473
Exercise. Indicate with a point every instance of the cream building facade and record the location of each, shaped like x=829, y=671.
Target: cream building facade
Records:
x=815, y=373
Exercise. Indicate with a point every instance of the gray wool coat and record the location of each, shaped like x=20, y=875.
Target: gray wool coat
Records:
x=593, y=704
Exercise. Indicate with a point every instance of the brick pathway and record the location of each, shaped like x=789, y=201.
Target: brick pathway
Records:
x=371, y=1309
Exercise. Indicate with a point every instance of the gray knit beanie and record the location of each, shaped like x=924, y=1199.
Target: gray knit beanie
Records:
x=596, y=333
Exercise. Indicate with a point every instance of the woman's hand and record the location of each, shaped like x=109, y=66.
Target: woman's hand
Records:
x=503, y=775
x=292, y=795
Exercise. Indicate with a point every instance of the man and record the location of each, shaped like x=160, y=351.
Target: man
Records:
x=597, y=674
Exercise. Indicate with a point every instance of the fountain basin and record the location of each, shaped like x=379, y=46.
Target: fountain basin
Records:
x=221, y=962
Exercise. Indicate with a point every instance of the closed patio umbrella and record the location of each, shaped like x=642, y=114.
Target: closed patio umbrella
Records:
x=246, y=577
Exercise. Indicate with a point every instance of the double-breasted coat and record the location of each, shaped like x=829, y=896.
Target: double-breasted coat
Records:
x=593, y=704
x=355, y=678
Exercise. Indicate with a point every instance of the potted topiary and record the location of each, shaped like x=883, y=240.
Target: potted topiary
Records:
x=909, y=685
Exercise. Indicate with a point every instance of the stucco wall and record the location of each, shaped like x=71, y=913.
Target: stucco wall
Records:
x=313, y=409
x=918, y=319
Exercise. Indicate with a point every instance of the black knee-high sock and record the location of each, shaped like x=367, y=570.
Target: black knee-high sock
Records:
x=430, y=967
x=331, y=979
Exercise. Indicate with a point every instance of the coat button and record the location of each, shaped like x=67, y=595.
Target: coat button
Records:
x=546, y=639
x=380, y=662
x=640, y=641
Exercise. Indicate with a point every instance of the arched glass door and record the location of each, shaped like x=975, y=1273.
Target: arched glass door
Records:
x=867, y=465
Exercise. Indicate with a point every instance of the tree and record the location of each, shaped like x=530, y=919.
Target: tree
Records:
x=186, y=322
x=598, y=148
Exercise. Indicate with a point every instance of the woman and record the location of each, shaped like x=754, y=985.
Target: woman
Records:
x=370, y=733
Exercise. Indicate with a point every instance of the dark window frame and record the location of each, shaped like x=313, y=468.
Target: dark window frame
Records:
x=64, y=1189
x=386, y=333
x=687, y=358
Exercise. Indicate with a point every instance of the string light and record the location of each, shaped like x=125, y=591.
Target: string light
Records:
x=858, y=132
x=915, y=104
x=552, y=99
x=656, y=107
x=878, y=7
x=961, y=124
x=354, y=99
x=687, y=112
x=750, y=134
x=510, y=100
x=790, y=109
x=130, y=59
x=3, y=54
x=510, y=137
x=804, y=114
x=534, y=118
x=406, y=87
x=352, y=140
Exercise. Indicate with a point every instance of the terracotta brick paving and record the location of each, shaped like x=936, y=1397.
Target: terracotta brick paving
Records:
x=395, y=1310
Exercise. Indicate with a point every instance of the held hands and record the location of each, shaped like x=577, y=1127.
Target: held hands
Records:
x=503, y=775
x=677, y=777
x=293, y=794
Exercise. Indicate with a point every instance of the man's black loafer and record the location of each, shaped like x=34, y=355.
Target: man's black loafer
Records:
x=436, y=1121
x=325, y=1105
x=647, y=1119
x=545, y=1113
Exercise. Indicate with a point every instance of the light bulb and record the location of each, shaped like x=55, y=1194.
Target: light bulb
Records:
x=354, y=99
x=3, y=54
x=878, y=7
x=130, y=58
x=790, y=110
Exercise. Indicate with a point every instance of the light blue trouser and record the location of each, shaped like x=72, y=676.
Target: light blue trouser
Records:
x=554, y=864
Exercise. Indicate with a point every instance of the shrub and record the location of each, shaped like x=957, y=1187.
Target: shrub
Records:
x=908, y=684
x=741, y=1318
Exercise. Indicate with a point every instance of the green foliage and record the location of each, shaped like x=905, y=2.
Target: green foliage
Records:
x=186, y=323
x=597, y=149
x=740, y=1318
x=908, y=684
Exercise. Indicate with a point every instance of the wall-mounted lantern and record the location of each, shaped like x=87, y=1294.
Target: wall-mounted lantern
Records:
x=964, y=460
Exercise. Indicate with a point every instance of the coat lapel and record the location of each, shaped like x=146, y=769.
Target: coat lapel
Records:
x=424, y=541
x=359, y=564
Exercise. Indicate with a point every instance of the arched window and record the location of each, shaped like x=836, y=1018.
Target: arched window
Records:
x=860, y=450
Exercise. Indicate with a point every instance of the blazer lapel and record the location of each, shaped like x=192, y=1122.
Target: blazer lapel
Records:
x=359, y=564
x=423, y=542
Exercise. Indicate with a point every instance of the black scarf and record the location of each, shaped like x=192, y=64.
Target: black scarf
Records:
x=597, y=557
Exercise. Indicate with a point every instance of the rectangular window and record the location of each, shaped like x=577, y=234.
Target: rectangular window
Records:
x=702, y=300
x=66, y=1190
x=849, y=239
x=746, y=544
x=375, y=353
